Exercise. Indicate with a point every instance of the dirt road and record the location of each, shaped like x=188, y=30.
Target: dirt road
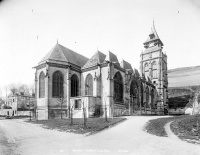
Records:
x=126, y=138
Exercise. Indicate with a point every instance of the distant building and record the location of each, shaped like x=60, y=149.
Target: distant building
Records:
x=69, y=82
x=20, y=102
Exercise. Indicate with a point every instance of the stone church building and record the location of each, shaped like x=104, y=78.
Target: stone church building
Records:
x=70, y=83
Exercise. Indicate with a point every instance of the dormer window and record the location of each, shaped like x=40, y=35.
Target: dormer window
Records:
x=152, y=36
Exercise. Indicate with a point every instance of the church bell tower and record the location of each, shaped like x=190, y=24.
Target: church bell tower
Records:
x=154, y=65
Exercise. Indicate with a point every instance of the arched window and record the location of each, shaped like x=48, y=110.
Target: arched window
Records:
x=146, y=69
x=147, y=95
x=142, y=95
x=152, y=96
x=89, y=85
x=118, y=87
x=134, y=93
x=154, y=69
x=74, y=86
x=57, y=80
x=41, y=85
x=133, y=89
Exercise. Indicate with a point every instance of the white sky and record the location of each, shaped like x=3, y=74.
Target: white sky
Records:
x=30, y=28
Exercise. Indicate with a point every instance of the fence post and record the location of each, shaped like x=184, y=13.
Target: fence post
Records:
x=71, y=123
x=30, y=115
x=106, y=113
x=36, y=115
x=84, y=117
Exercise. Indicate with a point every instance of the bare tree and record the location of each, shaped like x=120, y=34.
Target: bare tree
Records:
x=18, y=88
x=13, y=88
x=23, y=88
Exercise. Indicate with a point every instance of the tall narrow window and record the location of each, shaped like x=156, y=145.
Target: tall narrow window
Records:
x=41, y=85
x=146, y=69
x=118, y=87
x=57, y=84
x=134, y=93
x=74, y=85
x=152, y=96
x=89, y=85
x=141, y=93
x=154, y=69
x=147, y=95
x=133, y=89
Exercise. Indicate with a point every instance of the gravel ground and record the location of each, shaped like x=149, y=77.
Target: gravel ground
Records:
x=127, y=137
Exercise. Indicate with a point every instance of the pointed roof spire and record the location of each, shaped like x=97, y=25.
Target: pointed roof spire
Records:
x=153, y=35
x=57, y=41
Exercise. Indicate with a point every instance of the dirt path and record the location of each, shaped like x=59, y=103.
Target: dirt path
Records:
x=126, y=138
x=170, y=133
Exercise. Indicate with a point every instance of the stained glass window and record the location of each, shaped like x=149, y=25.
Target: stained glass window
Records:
x=42, y=85
x=147, y=95
x=89, y=85
x=146, y=69
x=154, y=69
x=57, y=84
x=118, y=87
x=152, y=96
x=74, y=85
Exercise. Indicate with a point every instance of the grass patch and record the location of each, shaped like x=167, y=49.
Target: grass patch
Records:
x=156, y=126
x=93, y=125
x=188, y=129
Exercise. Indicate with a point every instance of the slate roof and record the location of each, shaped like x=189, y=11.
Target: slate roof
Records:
x=136, y=73
x=112, y=58
x=63, y=54
x=153, y=31
x=125, y=65
x=149, y=80
x=97, y=58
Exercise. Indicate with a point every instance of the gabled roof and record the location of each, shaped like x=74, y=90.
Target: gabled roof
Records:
x=156, y=37
x=112, y=58
x=136, y=73
x=125, y=65
x=148, y=79
x=97, y=58
x=63, y=54
x=143, y=77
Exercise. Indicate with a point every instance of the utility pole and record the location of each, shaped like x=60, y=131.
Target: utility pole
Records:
x=29, y=108
x=105, y=110
x=71, y=118
x=84, y=117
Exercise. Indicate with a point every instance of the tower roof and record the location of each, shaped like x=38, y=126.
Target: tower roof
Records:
x=63, y=54
x=153, y=36
x=97, y=58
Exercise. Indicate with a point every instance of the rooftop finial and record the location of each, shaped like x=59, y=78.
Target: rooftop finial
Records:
x=153, y=23
x=57, y=41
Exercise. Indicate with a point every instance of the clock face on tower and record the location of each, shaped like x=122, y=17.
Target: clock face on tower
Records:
x=150, y=55
x=151, y=44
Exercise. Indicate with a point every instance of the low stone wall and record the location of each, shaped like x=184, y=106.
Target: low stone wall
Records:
x=5, y=112
x=25, y=113
x=56, y=113
x=119, y=110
